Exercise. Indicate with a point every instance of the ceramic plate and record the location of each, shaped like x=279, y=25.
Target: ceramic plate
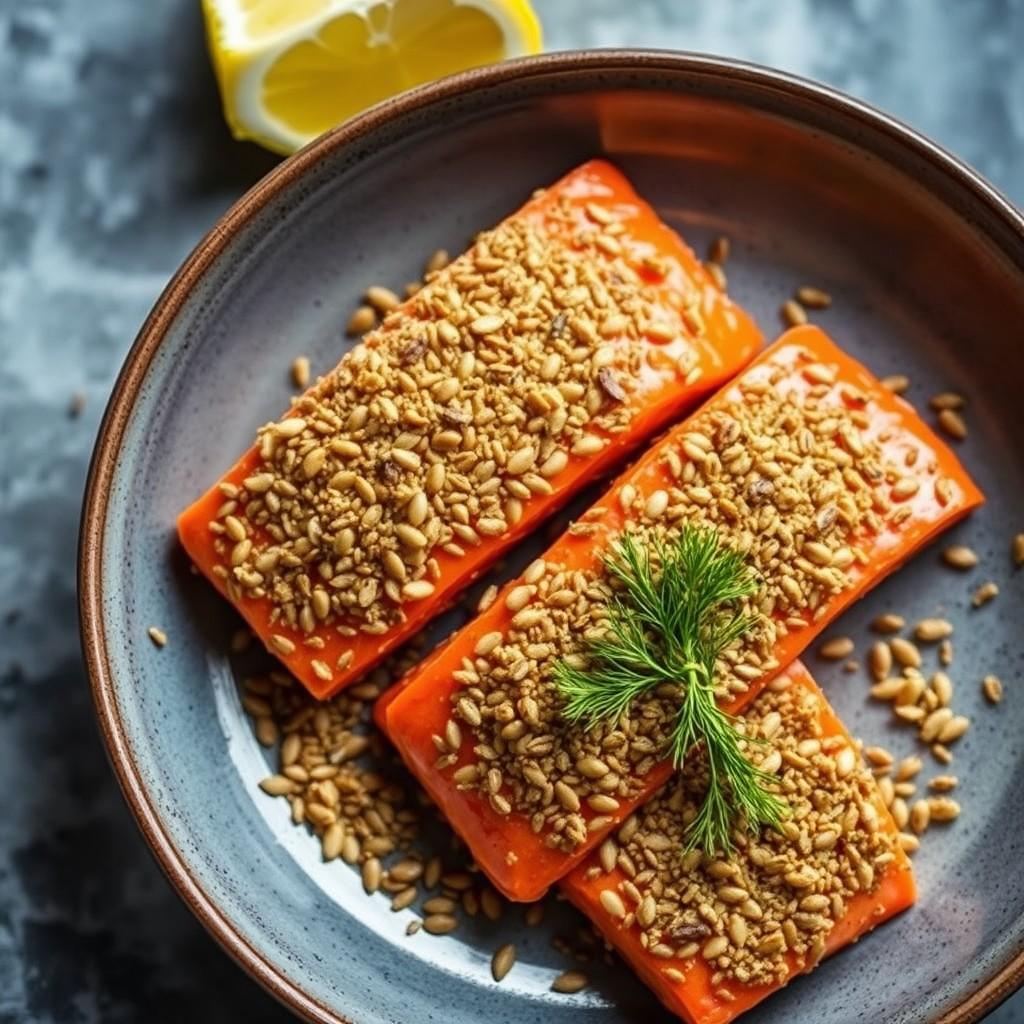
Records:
x=926, y=263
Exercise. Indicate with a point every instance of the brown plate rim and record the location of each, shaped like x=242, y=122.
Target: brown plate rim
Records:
x=975, y=1004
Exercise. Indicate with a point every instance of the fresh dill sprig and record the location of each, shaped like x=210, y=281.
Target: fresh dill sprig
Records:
x=676, y=612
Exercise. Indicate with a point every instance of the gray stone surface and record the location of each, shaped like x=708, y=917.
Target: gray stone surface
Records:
x=113, y=162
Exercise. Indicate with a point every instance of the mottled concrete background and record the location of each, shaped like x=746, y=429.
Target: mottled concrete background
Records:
x=113, y=162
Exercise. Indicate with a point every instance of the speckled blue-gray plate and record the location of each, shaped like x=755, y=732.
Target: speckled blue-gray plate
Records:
x=926, y=264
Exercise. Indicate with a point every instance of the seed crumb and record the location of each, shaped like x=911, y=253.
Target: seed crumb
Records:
x=992, y=687
x=985, y=593
x=413, y=926
x=157, y=635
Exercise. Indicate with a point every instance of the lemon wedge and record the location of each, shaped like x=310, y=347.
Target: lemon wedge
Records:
x=290, y=69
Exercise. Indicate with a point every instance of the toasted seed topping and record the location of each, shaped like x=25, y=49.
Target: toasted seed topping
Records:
x=433, y=432
x=157, y=635
x=799, y=466
x=783, y=891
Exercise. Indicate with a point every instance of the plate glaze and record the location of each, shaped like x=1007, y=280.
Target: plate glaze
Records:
x=926, y=265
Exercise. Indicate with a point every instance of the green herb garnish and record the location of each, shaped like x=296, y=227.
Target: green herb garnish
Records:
x=675, y=614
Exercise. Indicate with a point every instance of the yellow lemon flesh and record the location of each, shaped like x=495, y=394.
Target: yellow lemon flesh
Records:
x=290, y=69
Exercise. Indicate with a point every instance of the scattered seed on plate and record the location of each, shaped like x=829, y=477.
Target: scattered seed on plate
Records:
x=946, y=653
x=942, y=753
x=157, y=635
x=930, y=630
x=878, y=756
x=907, y=768
x=76, y=404
x=954, y=729
x=717, y=274
x=880, y=660
x=792, y=313
x=888, y=623
x=718, y=251
x=953, y=424
x=502, y=961
x=569, y=981
x=889, y=688
x=959, y=556
x=992, y=687
x=300, y=372
x=836, y=648
x=942, y=687
x=984, y=593
x=413, y=926
x=534, y=915
x=440, y=924
x=920, y=816
x=438, y=261
x=1017, y=549
x=813, y=298
x=382, y=299
x=943, y=783
x=943, y=808
x=362, y=320
x=905, y=652
x=897, y=383
x=946, y=400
